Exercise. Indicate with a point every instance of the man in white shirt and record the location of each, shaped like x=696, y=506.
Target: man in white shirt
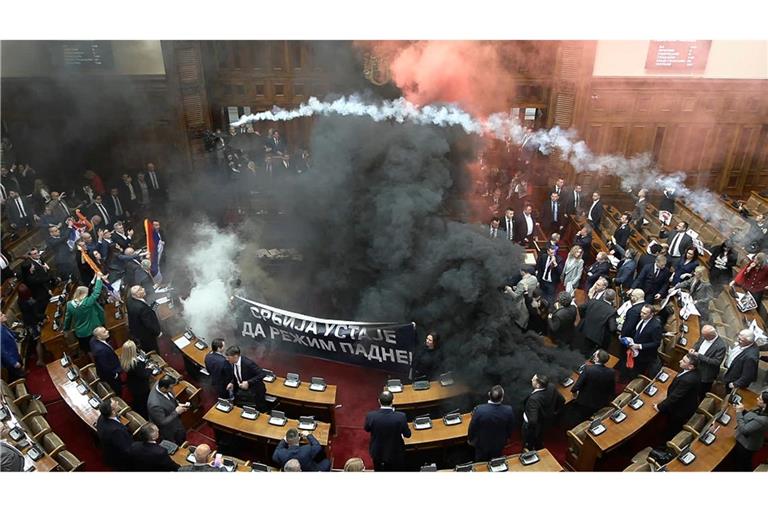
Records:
x=742, y=362
x=529, y=222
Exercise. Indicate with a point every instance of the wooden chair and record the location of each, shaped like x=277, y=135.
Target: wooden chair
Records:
x=697, y=422
x=623, y=399
x=103, y=390
x=642, y=455
x=122, y=406
x=602, y=412
x=68, y=462
x=135, y=422
x=710, y=405
x=575, y=437
x=638, y=467
x=89, y=375
x=33, y=407
x=637, y=385
x=156, y=359
x=52, y=444
x=37, y=427
x=19, y=391
x=680, y=441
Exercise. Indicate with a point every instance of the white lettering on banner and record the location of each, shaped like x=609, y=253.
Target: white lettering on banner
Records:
x=288, y=323
x=346, y=347
x=311, y=328
x=277, y=319
x=274, y=332
x=374, y=353
x=314, y=343
x=403, y=356
x=328, y=329
x=248, y=330
x=339, y=333
x=390, y=336
x=387, y=354
x=328, y=345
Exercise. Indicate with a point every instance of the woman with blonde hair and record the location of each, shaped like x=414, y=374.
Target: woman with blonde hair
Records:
x=84, y=313
x=138, y=376
x=573, y=268
x=354, y=464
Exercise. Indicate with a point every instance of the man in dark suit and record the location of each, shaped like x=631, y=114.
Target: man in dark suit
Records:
x=625, y=272
x=165, y=411
x=20, y=212
x=548, y=269
x=540, y=409
x=129, y=192
x=143, y=277
x=107, y=364
x=491, y=425
x=679, y=242
x=387, y=428
x=99, y=208
x=552, y=213
x=654, y=280
x=122, y=237
x=574, y=200
x=143, y=323
x=247, y=384
x=202, y=453
x=115, y=206
x=646, y=340
x=600, y=268
x=632, y=316
x=289, y=448
x=62, y=254
x=510, y=225
x=147, y=455
x=494, y=230
x=682, y=396
x=219, y=368
x=710, y=352
x=559, y=187
x=742, y=361
x=584, y=240
x=649, y=257
x=157, y=189
x=598, y=321
x=527, y=229
x=594, y=388
x=561, y=321
x=622, y=233
x=595, y=212
x=114, y=438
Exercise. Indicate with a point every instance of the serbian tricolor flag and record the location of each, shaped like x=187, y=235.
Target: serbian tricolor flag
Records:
x=154, y=247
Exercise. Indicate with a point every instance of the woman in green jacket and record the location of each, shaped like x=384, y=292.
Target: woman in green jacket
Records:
x=84, y=313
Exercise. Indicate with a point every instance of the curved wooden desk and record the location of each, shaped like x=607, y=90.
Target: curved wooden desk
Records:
x=410, y=398
x=709, y=457
x=617, y=433
x=547, y=462
x=46, y=462
x=439, y=435
x=301, y=396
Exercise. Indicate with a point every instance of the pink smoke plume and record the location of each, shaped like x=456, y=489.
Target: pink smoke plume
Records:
x=473, y=74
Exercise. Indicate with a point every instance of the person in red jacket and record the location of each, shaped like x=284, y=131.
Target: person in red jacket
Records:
x=754, y=279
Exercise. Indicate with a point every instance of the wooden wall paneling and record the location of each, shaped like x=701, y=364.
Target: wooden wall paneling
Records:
x=639, y=139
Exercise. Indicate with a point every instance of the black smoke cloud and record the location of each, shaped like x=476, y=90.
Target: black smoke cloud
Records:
x=383, y=239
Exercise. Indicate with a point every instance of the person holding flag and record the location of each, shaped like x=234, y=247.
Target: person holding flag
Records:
x=155, y=247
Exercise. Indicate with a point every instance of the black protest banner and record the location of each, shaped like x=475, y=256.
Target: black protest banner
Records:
x=385, y=346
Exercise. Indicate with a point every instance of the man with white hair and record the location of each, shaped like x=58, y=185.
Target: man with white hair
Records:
x=710, y=350
x=742, y=362
x=292, y=466
x=143, y=323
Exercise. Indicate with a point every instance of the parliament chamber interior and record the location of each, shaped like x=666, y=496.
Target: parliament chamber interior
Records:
x=377, y=256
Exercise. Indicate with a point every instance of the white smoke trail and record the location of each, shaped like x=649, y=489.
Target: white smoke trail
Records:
x=211, y=264
x=635, y=173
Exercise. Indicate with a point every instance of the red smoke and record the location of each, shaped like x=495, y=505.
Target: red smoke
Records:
x=470, y=73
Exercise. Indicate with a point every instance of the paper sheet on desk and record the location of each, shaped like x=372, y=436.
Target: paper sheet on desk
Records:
x=614, y=260
x=163, y=300
x=181, y=342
